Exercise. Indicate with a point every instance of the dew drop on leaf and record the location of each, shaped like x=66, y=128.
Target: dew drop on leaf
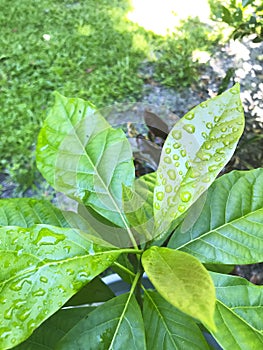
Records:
x=209, y=125
x=207, y=145
x=189, y=128
x=157, y=206
x=212, y=168
x=185, y=196
x=43, y=279
x=168, y=189
x=226, y=142
x=38, y=293
x=8, y=313
x=216, y=119
x=177, y=164
x=175, y=157
x=189, y=116
x=176, y=145
x=160, y=195
x=177, y=134
x=168, y=150
x=181, y=208
x=224, y=129
x=183, y=153
x=167, y=160
x=204, y=134
x=24, y=315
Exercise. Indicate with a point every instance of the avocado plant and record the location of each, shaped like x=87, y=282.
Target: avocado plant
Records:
x=181, y=225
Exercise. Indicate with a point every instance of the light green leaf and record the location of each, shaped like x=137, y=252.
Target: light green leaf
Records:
x=53, y=329
x=230, y=227
x=40, y=269
x=239, y=311
x=138, y=206
x=81, y=155
x=115, y=325
x=168, y=328
x=195, y=151
x=26, y=212
x=183, y=281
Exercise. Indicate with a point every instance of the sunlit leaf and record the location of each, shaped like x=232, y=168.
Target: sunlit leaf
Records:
x=168, y=328
x=230, y=228
x=117, y=324
x=238, y=313
x=40, y=269
x=81, y=155
x=26, y=212
x=183, y=281
x=195, y=151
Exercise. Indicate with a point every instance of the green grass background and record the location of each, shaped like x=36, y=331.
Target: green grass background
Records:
x=94, y=52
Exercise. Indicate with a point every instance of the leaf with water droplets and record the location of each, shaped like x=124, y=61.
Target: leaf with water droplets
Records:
x=195, y=151
x=82, y=156
x=40, y=269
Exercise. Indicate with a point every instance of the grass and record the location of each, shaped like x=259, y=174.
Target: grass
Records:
x=85, y=49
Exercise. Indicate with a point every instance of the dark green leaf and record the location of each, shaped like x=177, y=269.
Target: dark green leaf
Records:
x=183, y=281
x=238, y=314
x=117, y=324
x=195, y=151
x=230, y=228
x=81, y=155
x=40, y=269
x=168, y=328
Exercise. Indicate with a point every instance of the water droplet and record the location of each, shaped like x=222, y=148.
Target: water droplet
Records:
x=216, y=119
x=206, y=179
x=172, y=174
x=194, y=173
x=24, y=315
x=5, y=332
x=164, y=182
x=189, y=116
x=175, y=157
x=168, y=188
x=185, y=196
x=167, y=160
x=181, y=208
x=207, y=145
x=46, y=237
x=187, y=165
x=157, y=206
x=176, y=145
x=235, y=129
x=183, y=153
x=70, y=272
x=224, y=129
x=168, y=150
x=31, y=325
x=203, y=104
x=18, y=285
x=177, y=134
x=8, y=313
x=189, y=128
x=203, y=155
x=212, y=168
x=226, y=142
x=177, y=164
x=180, y=172
x=220, y=151
x=43, y=279
x=209, y=125
x=38, y=293
x=204, y=134
x=160, y=195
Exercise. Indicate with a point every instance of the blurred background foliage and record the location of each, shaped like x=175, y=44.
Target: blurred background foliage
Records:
x=96, y=50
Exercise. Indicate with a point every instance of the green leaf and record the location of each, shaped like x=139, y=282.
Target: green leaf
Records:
x=183, y=281
x=53, y=329
x=95, y=291
x=40, y=269
x=117, y=324
x=81, y=155
x=26, y=212
x=195, y=151
x=138, y=206
x=238, y=314
x=168, y=328
x=230, y=228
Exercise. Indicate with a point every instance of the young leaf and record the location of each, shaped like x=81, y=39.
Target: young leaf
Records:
x=196, y=149
x=238, y=313
x=171, y=328
x=138, y=205
x=183, y=281
x=40, y=269
x=52, y=330
x=117, y=324
x=81, y=155
x=230, y=228
x=26, y=212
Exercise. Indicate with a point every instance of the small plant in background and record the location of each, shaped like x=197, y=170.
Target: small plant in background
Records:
x=51, y=259
x=246, y=17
